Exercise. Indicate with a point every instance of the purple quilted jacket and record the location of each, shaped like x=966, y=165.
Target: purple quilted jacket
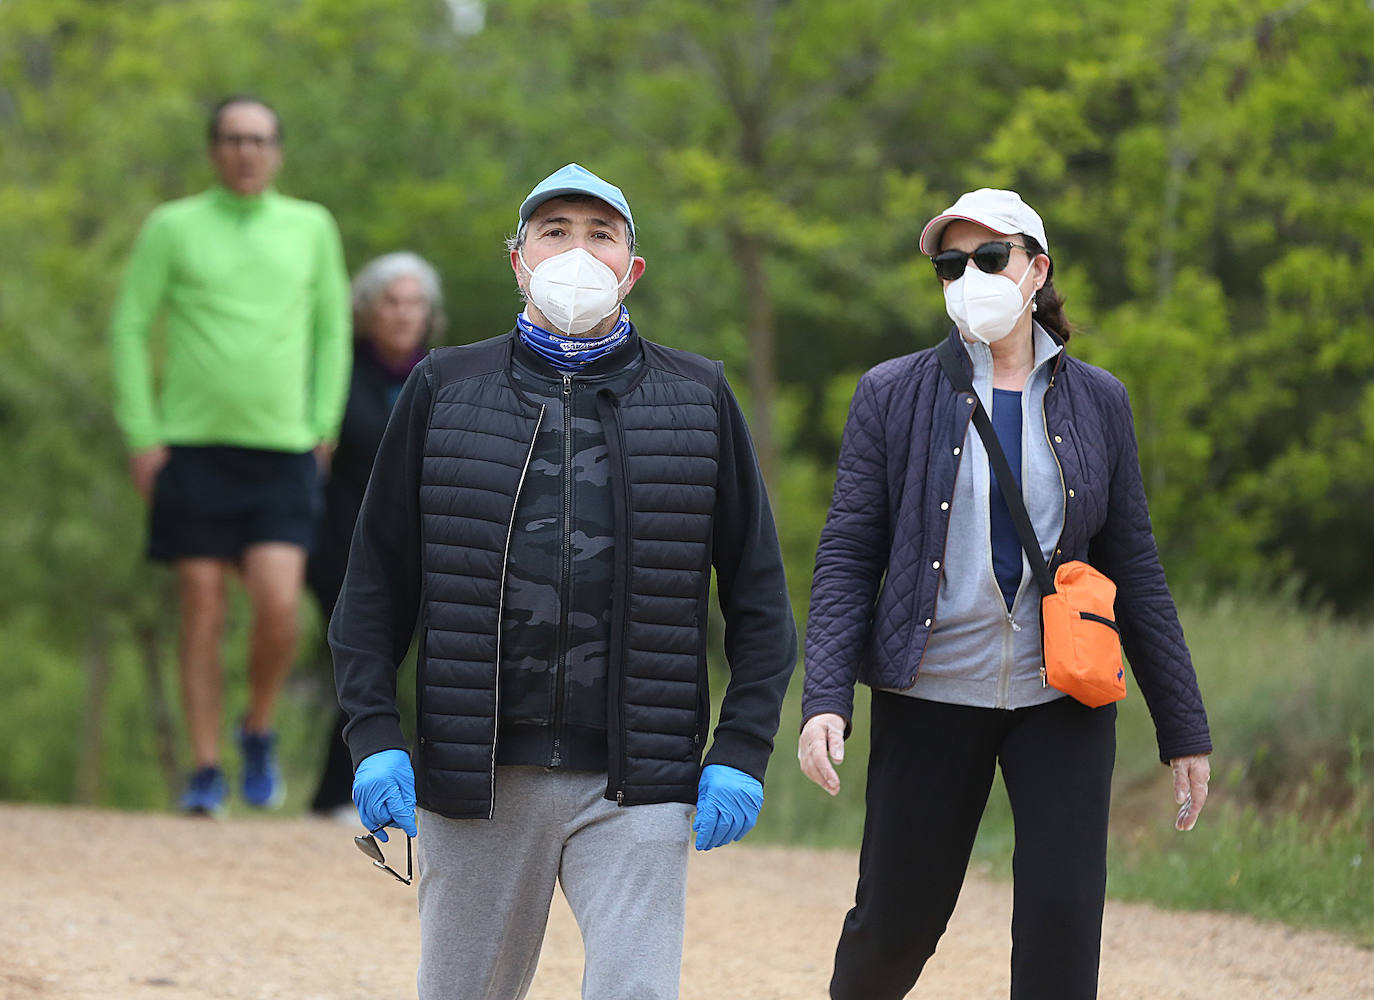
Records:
x=878, y=562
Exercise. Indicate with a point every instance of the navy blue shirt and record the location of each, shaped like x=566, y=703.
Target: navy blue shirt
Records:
x=1006, y=546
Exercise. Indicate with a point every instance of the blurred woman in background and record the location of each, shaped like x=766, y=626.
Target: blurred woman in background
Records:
x=397, y=315
x=922, y=590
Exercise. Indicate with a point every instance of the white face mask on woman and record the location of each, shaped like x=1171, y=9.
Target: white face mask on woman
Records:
x=574, y=290
x=985, y=306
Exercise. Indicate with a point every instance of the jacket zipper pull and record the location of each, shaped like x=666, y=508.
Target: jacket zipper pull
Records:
x=1012, y=622
x=1044, y=682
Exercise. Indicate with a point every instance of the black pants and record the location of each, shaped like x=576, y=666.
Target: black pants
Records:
x=336, y=777
x=324, y=576
x=930, y=768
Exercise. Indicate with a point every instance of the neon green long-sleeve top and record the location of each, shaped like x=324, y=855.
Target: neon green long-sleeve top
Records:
x=257, y=329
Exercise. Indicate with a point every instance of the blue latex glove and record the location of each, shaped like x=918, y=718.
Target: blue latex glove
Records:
x=384, y=792
x=728, y=804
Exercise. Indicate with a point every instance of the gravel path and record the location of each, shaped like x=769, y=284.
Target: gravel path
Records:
x=118, y=906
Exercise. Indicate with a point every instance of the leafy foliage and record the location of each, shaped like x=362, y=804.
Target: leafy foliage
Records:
x=1204, y=168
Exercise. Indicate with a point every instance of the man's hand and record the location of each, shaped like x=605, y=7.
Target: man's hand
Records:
x=324, y=455
x=384, y=792
x=144, y=467
x=728, y=804
x=1190, y=788
x=822, y=741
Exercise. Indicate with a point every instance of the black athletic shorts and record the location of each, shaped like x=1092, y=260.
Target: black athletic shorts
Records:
x=215, y=501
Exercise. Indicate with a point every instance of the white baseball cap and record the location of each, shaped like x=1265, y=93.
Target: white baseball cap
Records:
x=1001, y=211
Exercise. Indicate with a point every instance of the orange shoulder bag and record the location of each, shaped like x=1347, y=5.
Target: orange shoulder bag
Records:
x=1078, y=632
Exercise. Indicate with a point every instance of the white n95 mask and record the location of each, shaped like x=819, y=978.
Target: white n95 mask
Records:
x=574, y=290
x=985, y=306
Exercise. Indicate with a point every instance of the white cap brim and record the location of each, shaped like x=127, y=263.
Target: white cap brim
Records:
x=935, y=228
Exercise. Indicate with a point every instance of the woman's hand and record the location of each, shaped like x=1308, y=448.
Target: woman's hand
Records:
x=1190, y=788
x=822, y=741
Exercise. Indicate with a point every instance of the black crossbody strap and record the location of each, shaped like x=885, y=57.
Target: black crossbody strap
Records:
x=1016, y=505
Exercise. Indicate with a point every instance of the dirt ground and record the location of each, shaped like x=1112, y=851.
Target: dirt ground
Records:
x=119, y=906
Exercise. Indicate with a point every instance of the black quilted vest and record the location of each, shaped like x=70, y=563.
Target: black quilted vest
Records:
x=662, y=437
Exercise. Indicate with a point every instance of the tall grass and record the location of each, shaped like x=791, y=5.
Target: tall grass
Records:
x=1288, y=832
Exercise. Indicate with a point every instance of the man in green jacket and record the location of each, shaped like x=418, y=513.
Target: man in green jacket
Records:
x=253, y=296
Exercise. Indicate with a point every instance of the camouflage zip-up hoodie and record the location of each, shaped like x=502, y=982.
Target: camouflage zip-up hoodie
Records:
x=556, y=617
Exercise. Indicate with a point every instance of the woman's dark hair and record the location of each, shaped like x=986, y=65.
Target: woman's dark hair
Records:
x=1049, y=304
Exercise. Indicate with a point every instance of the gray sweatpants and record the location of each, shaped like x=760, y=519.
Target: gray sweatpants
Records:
x=485, y=888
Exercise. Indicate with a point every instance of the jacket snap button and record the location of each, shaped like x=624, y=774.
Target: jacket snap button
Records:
x=1058, y=439
x=956, y=451
x=927, y=623
x=969, y=400
x=935, y=564
x=1070, y=493
x=944, y=505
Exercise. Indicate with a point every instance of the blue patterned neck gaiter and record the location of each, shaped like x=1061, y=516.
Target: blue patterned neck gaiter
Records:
x=571, y=354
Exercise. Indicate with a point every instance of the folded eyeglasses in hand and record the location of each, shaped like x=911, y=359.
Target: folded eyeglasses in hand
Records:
x=369, y=846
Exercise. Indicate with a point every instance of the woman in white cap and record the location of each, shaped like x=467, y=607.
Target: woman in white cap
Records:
x=923, y=591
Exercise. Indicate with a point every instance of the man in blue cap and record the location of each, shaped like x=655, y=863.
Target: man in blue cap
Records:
x=549, y=505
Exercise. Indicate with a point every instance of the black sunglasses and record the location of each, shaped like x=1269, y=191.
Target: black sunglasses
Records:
x=369, y=846
x=991, y=257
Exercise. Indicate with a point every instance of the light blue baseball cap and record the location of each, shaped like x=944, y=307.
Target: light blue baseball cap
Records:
x=575, y=179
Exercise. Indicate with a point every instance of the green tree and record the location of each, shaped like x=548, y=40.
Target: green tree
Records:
x=1203, y=167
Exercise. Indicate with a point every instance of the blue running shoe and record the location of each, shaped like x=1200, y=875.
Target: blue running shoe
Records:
x=205, y=793
x=263, y=786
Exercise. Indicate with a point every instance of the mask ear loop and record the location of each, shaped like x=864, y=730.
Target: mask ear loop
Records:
x=520, y=253
x=619, y=297
x=1035, y=292
x=1031, y=301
